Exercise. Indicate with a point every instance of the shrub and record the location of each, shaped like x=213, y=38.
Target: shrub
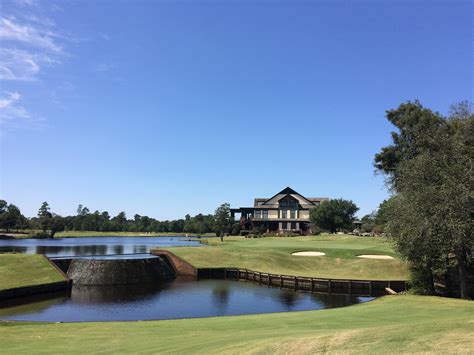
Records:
x=40, y=235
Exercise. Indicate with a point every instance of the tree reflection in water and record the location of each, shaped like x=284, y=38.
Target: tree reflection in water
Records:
x=288, y=298
x=220, y=295
x=114, y=294
x=332, y=301
x=75, y=250
x=117, y=249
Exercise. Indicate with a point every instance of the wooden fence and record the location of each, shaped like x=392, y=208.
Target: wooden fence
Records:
x=308, y=284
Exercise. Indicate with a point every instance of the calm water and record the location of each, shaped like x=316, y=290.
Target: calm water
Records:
x=180, y=298
x=91, y=245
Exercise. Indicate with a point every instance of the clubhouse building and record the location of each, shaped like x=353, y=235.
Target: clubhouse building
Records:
x=285, y=212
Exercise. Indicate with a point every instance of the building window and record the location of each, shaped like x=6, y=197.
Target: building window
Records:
x=292, y=214
x=265, y=214
x=292, y=204
x=293, y=225
x=283, y=203
x=283, y=213
x=258, y=214
x=283, y=226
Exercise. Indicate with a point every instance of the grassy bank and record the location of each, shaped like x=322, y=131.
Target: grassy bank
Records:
x=273, y=255
x=18, y=270
x=78, y=234
x=392, y=324
x=83, y=234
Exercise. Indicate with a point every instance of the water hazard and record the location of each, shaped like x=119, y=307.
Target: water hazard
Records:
x=181, y=298
x=92, y=245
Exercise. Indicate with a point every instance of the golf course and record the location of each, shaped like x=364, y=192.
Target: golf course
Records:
x=19, y=270
x=274, y=255
x=404, y=323
x=391, y=324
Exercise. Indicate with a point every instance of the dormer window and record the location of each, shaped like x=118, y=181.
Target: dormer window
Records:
x=283, y=203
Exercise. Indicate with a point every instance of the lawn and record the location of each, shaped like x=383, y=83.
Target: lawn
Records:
x=392, y=324
x=273, y=255
x=78, y=234
x=18, y=270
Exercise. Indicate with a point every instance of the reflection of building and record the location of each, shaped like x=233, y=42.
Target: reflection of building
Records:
x=287, y=211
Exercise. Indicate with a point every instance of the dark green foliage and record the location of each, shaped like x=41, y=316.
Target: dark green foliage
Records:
x=11, y=217
x=222, y=220
x=377, y=220
x=40, y=235
x=56, y=225
x=431, y=215
x=44, y=216
x=334, y=215
x=416, y=126
x=259, y=230
x=236, y=227
x=315, y=230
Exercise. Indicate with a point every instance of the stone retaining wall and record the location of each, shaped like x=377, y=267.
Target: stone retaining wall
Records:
x=119, y=271
x=179, y=266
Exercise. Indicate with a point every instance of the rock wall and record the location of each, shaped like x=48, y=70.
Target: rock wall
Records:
x=119, y=271
x=179, y=266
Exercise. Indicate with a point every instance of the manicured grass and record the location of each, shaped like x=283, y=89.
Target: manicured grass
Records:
x=392, y=324
x=273, y=255
x=18, y=270
x=79, y=234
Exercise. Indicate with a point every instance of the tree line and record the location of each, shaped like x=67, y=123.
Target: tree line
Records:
x=429, y=170
x=12, y=219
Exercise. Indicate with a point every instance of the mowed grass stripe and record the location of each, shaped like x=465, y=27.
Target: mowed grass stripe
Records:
x=19, y=270
x=273, y=255
x=392, y=324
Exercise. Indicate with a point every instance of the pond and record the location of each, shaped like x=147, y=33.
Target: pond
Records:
x=181, y=298
x=92, y=245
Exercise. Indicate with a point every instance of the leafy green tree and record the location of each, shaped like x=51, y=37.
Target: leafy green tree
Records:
x=381, y=216
x=11, y=218
x=222, y=220
x=3, y=206
x=368, y=222
x=45, y=216
x=431, y=215
x=416, y=126
x=236, y=228
x=56, y=225
x=334, y=215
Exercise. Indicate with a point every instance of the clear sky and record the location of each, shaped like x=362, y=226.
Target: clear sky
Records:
x=165, y=108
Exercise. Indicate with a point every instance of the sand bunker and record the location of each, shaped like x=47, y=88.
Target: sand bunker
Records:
x=383, y=257
x=309, y=253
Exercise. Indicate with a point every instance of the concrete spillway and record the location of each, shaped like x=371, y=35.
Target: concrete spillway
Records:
x=119, y=271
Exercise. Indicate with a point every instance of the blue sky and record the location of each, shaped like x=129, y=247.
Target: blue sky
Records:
x=164, y=108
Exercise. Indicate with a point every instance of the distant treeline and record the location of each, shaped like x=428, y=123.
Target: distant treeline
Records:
x=12, y=219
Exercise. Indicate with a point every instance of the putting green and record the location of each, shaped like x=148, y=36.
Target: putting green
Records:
x=274, y=255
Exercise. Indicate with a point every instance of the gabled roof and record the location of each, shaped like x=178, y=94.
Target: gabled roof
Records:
x=288, y=191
